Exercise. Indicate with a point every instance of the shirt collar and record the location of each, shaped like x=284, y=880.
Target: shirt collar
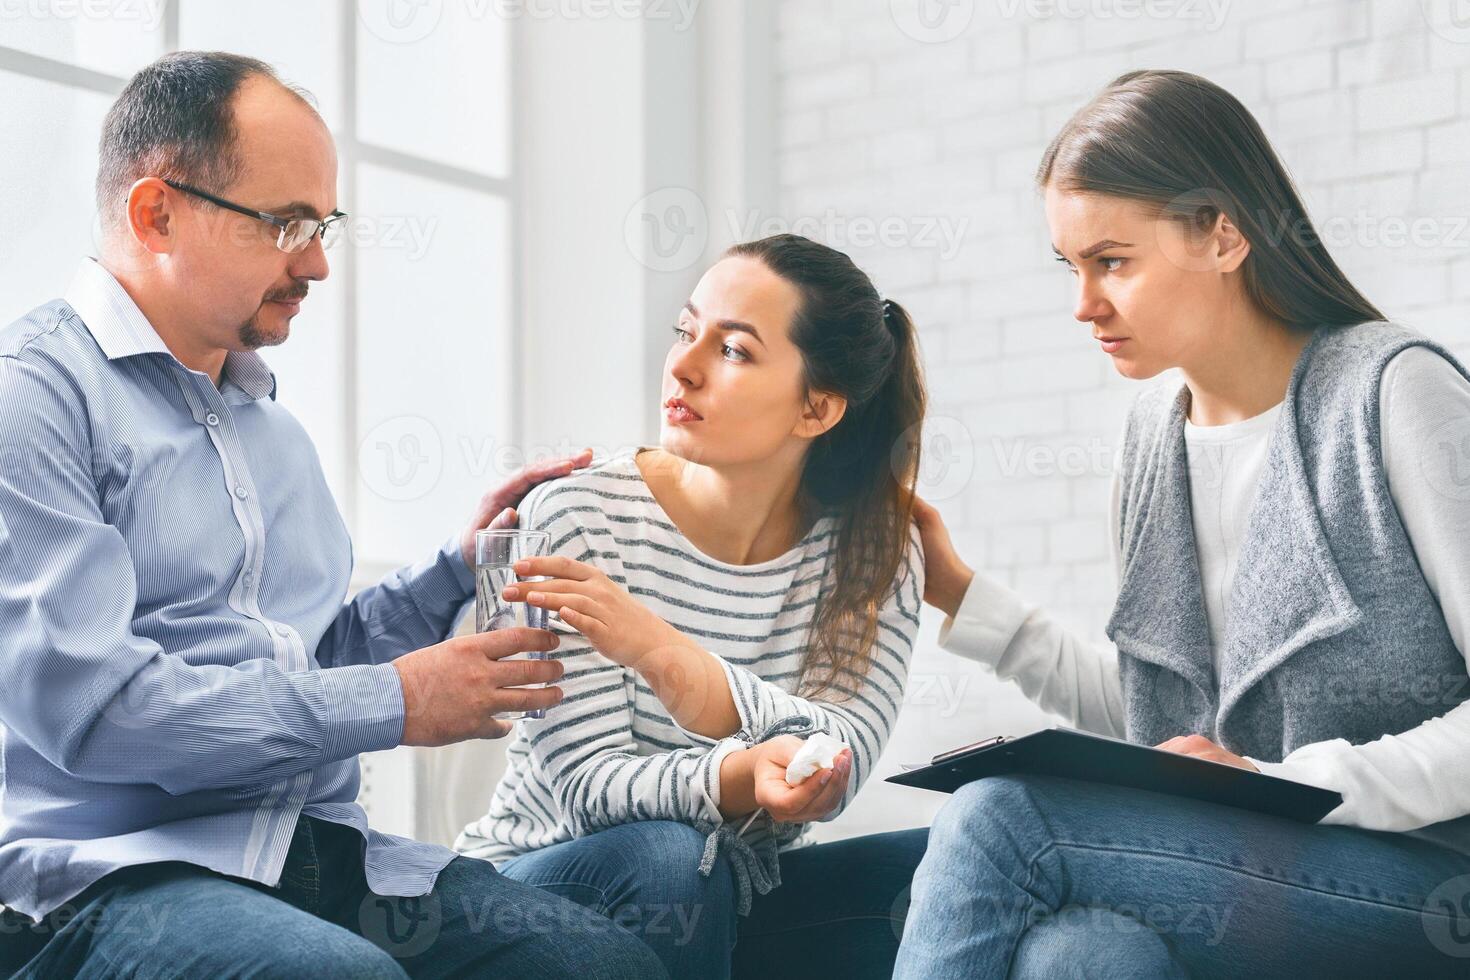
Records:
x=121, y=329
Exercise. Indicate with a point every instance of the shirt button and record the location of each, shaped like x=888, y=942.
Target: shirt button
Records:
x=283, y=631
x=249, y=577
x=241, y=492
x=212, y=419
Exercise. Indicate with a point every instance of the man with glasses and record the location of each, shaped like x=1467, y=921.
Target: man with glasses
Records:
x=183, y=692
x=292, y=234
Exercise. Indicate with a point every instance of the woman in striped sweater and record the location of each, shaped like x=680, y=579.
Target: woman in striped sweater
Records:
x=756, y=579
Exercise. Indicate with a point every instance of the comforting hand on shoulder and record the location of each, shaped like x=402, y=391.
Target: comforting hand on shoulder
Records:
x=496, y=508
x=946, y=576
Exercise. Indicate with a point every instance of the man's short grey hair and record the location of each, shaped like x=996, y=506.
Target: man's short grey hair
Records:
x=174, y=119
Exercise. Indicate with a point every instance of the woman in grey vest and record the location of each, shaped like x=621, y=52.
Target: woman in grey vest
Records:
x=1289, y=525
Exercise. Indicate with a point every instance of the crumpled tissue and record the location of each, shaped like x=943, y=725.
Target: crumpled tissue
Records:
x=818, y=752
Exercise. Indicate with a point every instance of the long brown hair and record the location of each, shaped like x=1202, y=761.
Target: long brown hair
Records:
x=855, y=344
x=1188, y=147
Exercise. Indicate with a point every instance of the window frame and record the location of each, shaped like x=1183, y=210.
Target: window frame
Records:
x=351, y=153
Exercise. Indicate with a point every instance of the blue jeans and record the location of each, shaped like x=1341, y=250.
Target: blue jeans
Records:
x=838, y=912
x=176, y=919
x=1030, y=876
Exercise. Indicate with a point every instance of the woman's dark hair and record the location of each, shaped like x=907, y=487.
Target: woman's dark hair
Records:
x=1188, y=147
x=855, y=344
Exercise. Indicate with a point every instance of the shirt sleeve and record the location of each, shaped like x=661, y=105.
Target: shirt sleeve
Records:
x=1020, y=642
x=412, y=607
x=102, y=703
x=858, y=708
x=1421, y=776
x=585, y=747
x=598, y=778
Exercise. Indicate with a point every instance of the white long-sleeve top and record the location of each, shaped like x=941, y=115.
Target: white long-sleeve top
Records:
x=1397, y=782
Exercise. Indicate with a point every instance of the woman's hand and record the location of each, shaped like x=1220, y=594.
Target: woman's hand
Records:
x=946, y=577
x=619, y=626
x=812, y=798
x=687, y=679
x=1198, y=745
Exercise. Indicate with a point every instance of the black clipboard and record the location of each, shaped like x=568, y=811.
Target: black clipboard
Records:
x=1099, y=759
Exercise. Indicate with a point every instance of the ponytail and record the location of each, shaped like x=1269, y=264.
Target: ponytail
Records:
x=862, y=470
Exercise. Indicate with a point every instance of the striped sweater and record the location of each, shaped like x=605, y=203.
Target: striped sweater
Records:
x=610, y=753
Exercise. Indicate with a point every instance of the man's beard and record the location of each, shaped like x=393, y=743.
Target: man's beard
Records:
x=252, y=337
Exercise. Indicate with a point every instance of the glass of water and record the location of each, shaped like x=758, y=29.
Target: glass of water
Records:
x=496, y=552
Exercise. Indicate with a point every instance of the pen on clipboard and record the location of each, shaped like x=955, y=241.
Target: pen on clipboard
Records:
x=952, y=753
x=983, y=743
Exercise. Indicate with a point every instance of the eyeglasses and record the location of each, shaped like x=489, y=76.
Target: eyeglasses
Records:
x=295, y=233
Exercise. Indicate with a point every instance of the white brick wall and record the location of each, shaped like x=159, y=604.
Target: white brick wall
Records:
x=1366, y=101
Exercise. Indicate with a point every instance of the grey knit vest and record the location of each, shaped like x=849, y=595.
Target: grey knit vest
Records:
x=1334, y=632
